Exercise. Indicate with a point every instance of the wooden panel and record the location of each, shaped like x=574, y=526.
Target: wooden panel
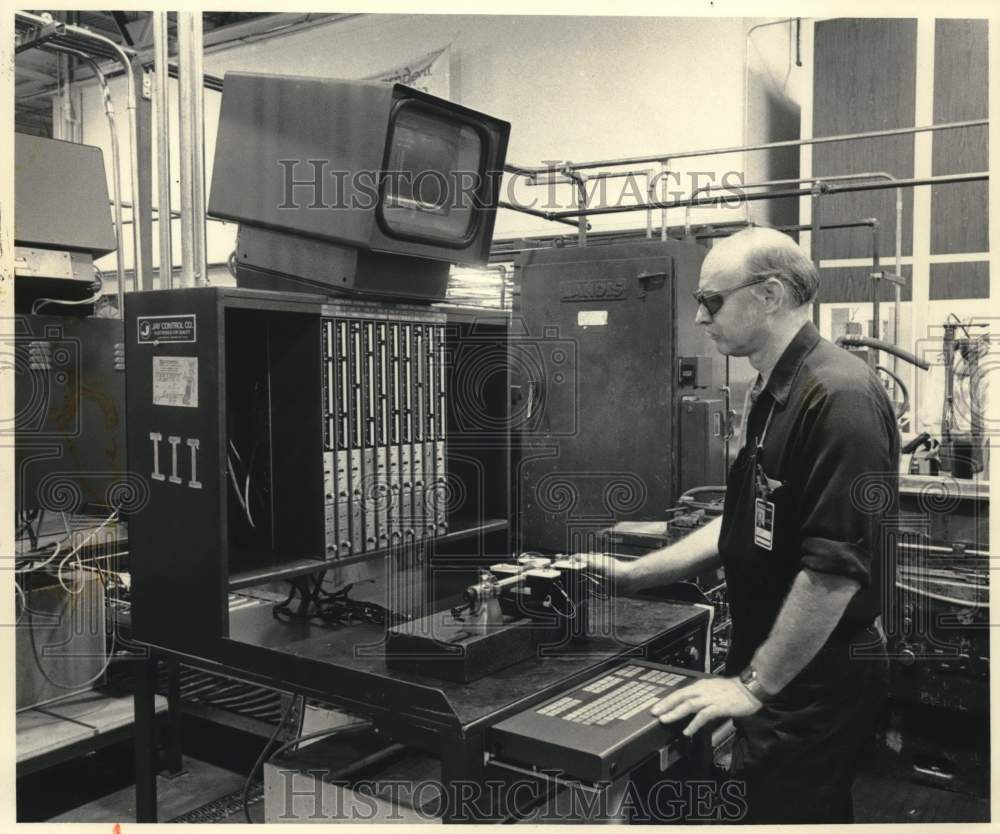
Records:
x=959, y=212
x=967, y=280
x=864, y=80
x=839, y=285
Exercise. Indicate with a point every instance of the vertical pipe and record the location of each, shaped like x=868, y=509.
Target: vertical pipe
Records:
x=160, y=57
x=876, y=289
x=135, y=176
x=184, y=61
x=581, y=202
x=896, y=288
x=116, y=180
x=948, y=410
x=650, y=187
x=145, y=152
x=198, y=147
x=663, y=212
x=815, y=238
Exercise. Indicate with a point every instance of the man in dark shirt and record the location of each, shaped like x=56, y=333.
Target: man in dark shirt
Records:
x=800, y=539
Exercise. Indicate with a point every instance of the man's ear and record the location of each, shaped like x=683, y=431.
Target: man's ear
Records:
x=772, y=293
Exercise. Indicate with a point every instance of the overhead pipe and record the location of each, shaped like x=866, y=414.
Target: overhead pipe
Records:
x=500, y=252
x=784, y=143
x=897, y=296
x=771, y=195
x=725, y=230
x=795, y=227
x=601, y=175
x=704, y=189
x=536, y=213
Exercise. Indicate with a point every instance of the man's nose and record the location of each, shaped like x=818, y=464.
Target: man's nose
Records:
x=702, y=316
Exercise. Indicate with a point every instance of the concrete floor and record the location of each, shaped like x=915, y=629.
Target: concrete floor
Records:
x=198, y=785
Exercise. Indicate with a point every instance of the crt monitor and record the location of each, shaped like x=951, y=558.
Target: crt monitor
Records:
x=355, y=186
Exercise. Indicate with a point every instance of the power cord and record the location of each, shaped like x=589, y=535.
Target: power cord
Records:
x=347, y=730
x=263, y=753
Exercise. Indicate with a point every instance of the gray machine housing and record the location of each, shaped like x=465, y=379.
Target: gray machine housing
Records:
x=622, y=404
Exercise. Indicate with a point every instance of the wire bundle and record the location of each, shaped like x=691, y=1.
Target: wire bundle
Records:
x=308, y=600
x=38, y=559
x=242, y=493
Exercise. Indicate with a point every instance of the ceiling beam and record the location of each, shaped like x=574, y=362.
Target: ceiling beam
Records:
x=122, y=23
x=29, y=74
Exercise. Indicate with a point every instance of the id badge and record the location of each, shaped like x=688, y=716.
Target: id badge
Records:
x=763, y=523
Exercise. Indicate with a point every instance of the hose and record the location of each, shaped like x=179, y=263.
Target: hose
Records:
x=878, y=344
x=904, y=406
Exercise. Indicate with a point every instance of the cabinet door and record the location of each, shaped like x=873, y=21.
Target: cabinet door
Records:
x=600, y=444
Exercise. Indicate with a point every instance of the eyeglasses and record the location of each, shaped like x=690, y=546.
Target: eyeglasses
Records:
x=712, y=300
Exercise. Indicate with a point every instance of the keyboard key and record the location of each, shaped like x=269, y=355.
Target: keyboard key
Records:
x=647, y=704
x=602, y=684
x=557, y=707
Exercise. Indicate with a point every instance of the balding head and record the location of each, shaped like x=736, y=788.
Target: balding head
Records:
x=763, y=252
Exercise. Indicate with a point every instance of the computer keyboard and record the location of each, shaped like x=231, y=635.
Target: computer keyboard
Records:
x=599, y=727
x=626, y=698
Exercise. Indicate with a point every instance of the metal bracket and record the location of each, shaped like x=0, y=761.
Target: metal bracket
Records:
x=651, y=281
x=147, y=85
x=891, y=277
x=39, y=35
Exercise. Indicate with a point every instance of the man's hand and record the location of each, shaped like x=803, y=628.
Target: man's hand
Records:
x=617, y=576
x=707, y=699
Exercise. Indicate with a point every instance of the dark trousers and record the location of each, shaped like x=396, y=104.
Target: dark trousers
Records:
x=798, y=756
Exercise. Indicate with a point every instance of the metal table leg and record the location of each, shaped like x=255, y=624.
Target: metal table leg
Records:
x=174, y=756
x=145, y=739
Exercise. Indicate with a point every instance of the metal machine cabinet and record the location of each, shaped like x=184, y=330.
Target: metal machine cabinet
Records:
x=69, y=396
x=606, y=328
x=308, y=406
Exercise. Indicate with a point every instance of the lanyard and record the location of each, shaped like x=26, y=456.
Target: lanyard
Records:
x=746, y=421
x=767, y=424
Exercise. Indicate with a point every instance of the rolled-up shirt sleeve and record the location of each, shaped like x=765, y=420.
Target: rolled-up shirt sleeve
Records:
x=846, y=482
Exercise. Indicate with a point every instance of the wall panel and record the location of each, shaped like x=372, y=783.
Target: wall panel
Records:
x=960, y=280
x=959, y=212
x=848, y=284
x=863, y=81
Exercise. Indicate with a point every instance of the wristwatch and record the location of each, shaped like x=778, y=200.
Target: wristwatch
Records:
x=749, y=679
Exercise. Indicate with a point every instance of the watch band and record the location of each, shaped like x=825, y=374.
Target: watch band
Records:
x=750, y=680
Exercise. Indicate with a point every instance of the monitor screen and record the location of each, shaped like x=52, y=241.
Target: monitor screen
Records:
x=432, y=178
